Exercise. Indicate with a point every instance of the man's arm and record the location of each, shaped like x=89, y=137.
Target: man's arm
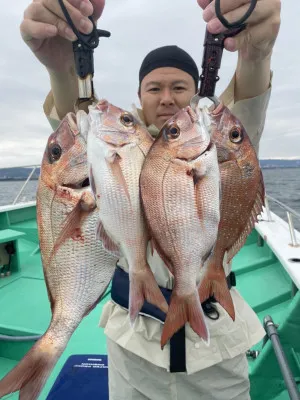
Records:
x=251, y=107
x=64, y=88
x=254, y=44
x=252, y=78
x=46, y=32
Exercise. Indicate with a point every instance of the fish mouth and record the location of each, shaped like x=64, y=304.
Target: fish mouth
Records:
x=79, y=185
x=208, y=148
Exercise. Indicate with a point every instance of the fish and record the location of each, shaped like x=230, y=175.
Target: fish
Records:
x=243, y=194
x=76, y=267
x=180, y=190
x=117, y=147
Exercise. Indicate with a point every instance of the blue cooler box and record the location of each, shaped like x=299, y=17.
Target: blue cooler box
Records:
x=82, y=377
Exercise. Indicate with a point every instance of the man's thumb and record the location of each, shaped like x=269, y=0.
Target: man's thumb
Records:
x=241, y=41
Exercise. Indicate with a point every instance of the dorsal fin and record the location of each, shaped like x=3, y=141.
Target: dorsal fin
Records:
x=256, y=210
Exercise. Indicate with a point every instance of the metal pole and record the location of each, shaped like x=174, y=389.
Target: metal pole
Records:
x=268, y=210
x=281, y=358
x=285, y=207
x=292, y=229
x=23, y=187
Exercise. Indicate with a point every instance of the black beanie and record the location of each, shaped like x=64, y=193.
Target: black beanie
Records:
x=169, y=56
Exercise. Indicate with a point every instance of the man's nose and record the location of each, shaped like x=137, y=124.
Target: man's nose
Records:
x=167, y=98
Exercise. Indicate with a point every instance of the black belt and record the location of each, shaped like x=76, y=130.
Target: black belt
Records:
x=120, y=295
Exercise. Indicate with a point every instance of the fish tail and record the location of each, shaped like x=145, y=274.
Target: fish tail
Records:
x=216, y=285
x=181, y=311
x=30, y=374
x=143, y=286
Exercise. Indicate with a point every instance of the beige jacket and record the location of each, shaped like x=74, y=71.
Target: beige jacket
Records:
x=227, y=338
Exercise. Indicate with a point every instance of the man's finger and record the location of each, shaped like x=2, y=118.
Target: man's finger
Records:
x=41, y=14
x=261, y=12
x=34, y=32
x=262, y=35
x=226, y=6
x=85, y=6
x=82, y=23
x=98, y=6
x=203, y=3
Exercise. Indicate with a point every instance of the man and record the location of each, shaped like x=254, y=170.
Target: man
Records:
x=138, y=368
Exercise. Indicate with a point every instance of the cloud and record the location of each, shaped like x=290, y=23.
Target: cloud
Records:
x=137, y=26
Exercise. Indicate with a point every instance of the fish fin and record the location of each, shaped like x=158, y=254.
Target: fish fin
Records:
x=143, y=286
x=152, y=246
x=114, y=164
x=198, y=175
x=31, y=373
x=70, y=224
x=214, y=283
x=253, y=218
x=107, y=242
x=155, y=246
x=183, y=310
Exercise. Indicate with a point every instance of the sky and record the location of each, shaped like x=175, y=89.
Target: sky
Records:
x=137, y=27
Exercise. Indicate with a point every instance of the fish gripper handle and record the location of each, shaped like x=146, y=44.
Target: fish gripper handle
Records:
x=212, y=57
x=84, y=52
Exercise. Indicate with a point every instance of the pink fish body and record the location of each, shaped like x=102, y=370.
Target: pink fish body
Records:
x=180, y=192
x=117, y=147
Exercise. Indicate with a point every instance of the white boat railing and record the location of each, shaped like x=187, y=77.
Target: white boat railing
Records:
x=34, y=167
x=290, y=214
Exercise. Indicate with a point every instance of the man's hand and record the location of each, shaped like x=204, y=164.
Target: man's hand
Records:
x=257, y=41
x=45, y=30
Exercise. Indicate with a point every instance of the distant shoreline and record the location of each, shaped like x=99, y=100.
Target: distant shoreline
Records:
x=280, y=167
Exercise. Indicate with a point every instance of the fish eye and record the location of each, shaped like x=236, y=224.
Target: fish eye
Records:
x=127, y=119
x=173, y=132
x=236, y=135
x=55, y=152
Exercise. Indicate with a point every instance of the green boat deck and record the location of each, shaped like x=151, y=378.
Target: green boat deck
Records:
x=25, y=309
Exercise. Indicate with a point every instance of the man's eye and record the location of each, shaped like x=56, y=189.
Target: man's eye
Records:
x=179, y=88
x=154, y=90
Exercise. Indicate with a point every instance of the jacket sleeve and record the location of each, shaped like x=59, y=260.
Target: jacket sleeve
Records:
x=50, y=111
x=251, y=112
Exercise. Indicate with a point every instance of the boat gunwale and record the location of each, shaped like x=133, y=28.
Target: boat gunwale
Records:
x=12, y=207
x=276, y=234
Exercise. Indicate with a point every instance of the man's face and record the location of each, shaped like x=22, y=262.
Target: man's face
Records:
x=165, y=91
